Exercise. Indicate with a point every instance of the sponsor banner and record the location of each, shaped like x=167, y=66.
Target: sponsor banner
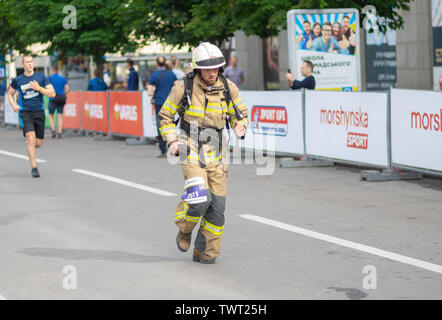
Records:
x=349, y=126
x=149, y=120
x=94, y=111
x=71, y=112
x=416, y=129
x=275, y=121
x=125, y=113
x=330, y=40
x=11, y=117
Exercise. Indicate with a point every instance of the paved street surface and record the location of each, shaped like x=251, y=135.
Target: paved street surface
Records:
x=305, y=233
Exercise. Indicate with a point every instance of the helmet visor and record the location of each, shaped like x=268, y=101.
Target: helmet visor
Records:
x=211, y=63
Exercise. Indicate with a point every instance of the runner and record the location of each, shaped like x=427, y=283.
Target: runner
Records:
x=31, y=87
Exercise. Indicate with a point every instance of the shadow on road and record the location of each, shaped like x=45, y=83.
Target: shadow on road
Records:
x=85, y=254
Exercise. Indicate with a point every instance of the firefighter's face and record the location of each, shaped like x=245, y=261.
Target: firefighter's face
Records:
x=209, y=75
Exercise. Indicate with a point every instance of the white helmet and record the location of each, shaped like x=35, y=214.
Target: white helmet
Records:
x=207, y=56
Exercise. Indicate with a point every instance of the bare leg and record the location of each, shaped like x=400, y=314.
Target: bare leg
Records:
x=31, y=144
x=60, y=122
x=51, y=122
x=38, y=143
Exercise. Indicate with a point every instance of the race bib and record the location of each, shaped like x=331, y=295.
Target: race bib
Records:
x=195, y=191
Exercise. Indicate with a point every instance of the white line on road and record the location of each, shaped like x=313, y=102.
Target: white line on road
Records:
x=19, y=156
x=353, y=245
x=126, y=183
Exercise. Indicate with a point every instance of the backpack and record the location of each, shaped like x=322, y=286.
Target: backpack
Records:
x=186, y=100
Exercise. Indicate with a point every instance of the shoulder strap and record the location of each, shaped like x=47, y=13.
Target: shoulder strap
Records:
x=227, y=94
x=158, y=84
x=229, y=99
x=186, y=100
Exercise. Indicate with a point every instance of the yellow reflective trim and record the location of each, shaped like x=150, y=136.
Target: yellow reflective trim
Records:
x=167, y=127
x=174, y=106
x=215, y=105
x=212, y=228
x=190, y=113
x=180, y=216
x=193, y=219
x=169, y=109
x=214, y=110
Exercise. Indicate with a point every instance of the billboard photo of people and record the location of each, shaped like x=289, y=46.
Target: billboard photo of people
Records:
x=330, y=39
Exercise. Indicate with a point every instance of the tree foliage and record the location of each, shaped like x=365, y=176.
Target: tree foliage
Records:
x=97, y=29
x=109, y=26
x=190, y=22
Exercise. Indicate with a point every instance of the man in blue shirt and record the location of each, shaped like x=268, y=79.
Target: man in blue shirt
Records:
x=327, y=43
x=31, y=87
x=97, y=83
x=132, y=82
x=61, y=90
x=309, y=81
x=160, y=85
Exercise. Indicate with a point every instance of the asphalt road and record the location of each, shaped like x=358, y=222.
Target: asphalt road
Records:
x=307, y=233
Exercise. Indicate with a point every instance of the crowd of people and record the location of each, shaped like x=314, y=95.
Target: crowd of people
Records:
x=327, y=37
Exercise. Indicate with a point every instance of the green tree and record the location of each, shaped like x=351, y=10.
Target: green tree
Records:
x=97, y=30
x=9, y=39
x=190, y=22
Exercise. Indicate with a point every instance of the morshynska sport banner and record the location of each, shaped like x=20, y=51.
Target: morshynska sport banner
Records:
x=330, y=39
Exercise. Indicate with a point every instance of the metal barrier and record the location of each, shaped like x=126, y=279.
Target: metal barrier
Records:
x=387, y=131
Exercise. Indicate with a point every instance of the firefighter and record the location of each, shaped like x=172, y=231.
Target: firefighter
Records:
x=206, y=102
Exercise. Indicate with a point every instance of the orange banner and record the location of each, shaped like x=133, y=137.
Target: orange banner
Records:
x=71, y=114
x=125, y=110
x=94, y=111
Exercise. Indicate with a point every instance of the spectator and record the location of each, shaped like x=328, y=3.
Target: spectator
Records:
x=159, y=87
x=97, y=83
x=174, y=63
x=132, y=82
x=308, y=83
x=326, y=43
x=234, y=73
x=57, y=103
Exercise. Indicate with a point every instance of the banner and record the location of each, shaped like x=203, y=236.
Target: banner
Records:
x=330, y=40
x=416, y=129
x=275, y=121
x=71, y=114
x=149, y=121
x=11, y=117
x=380, y=60
x=347, y=126
x=436, y=6
x=126, y=113
x=94, y=111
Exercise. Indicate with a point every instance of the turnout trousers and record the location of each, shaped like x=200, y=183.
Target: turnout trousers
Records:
x=210, y=213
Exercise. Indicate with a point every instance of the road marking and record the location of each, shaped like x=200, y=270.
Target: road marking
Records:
x=349, y=244
x=19, y=156
x=125, y=183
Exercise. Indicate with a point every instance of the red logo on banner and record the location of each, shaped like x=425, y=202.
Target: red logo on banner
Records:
x=357, y=141
x=269, y=120
x=125, y=113
x=94, y=111
x=71, y=114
